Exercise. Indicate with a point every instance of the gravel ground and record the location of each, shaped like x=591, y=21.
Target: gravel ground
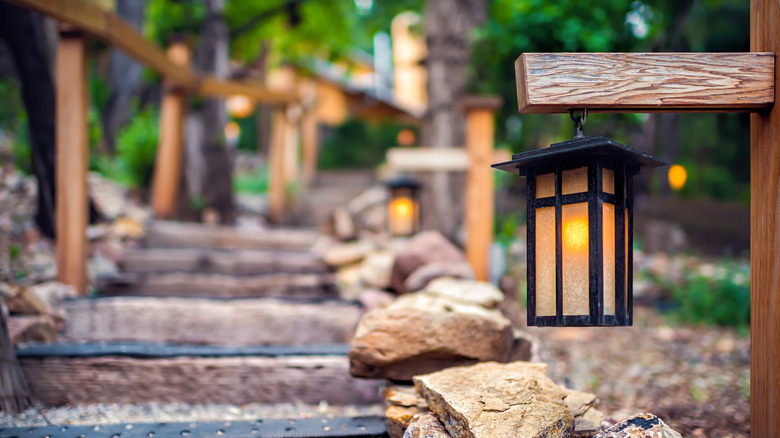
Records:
x=176, y=413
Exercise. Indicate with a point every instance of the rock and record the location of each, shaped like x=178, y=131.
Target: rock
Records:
x=348, y=280
x=403, y=404
x=127, y=227
x=640, y=426
x=22, y=301
x=524, y=347
x=490, y=400
x=373, y=218
x=423, y=275
x=53, y=294
x=426, y=425
x=424, y=248
x=32, y=328
x=420, y=333
x=376, y=269
x=371, y=197
x=579, y=402
x=588, y=424
x=466, y=291
x=405, y=396
x=397, y=419
x=341, y=254
x=374, y=299
x=343, y=224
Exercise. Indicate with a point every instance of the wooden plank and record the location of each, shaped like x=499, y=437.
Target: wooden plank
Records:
x=645, y=82
x=164, y=234
x=479, y=183
x=428, y=159
x=72, y=161
x=215, y=87
x=765, y=238
x=167, y=166
x=204, y=321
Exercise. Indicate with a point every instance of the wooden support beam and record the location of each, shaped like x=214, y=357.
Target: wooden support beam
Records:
x=765, y=238
x=72, y=161
x=645, y=82
x=256, y=91
x=428, y=159
x=479, y=181
x=276, y=167
x=310, y=144
x=167, y=167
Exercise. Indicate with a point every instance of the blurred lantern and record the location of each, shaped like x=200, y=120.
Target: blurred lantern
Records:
x=677, y=177
x=239, y=106
x=406, y=137
x=403, y=207
x=580, y=229
x=232, y=131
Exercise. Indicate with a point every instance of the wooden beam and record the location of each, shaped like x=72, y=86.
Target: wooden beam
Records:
x=167, y=166
x=428, y=159
x=256, y=91
x=765, y=238
x=72, y=161
x=645, y=82
x=479, y=182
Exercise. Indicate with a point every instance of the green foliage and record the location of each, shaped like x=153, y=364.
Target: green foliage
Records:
x=13, y=121
x=357, y=144
x=720, y=297
x=251, y=183
x=136, y=146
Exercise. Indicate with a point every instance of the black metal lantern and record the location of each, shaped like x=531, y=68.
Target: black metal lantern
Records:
x=580, y=230
x=403, y=206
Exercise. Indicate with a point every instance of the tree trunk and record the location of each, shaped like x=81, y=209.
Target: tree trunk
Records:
x=448, y=26
x=213, y=166
x=124, y=76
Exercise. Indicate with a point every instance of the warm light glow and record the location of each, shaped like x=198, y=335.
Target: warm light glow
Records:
x=401, y=216
x=402, y=207
x=406, y=137
x=239, y=106
x=677, y=177
x=232, y=131
x=575, y=234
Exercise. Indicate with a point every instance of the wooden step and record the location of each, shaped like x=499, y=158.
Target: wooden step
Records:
x=237, y=322
x=235, y=262
x=128, y=373
x=164, y=234
x=219, y=285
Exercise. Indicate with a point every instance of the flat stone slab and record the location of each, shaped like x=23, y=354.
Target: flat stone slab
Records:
x=357, y=427
x=163, y=234
x=237, y=322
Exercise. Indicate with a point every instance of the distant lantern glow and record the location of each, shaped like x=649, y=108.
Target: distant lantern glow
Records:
x=232, y=131
x=403, y=207
x=677, y=177
x=239, y=106
x=406, y=137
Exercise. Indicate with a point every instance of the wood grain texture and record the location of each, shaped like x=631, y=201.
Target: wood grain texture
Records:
x=72, y=161
x=765, y=238
x=645, y=82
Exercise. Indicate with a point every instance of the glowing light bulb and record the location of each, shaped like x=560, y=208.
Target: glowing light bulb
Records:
x=239, y=106
x=677, y=177
x=232, y=131
x=575, y=234
x=402, y=207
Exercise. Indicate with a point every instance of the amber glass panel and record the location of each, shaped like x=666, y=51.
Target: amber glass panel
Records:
x=575, y=259
x=574, y=181
x=608, y=181
x=402, y=214
x=608, y=230
x=545, y=185
x=545, y=261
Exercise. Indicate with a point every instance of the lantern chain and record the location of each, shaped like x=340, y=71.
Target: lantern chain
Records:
x=579, y=122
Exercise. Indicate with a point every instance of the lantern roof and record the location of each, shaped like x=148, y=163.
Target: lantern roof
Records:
x=578, y=150
x=402, y=182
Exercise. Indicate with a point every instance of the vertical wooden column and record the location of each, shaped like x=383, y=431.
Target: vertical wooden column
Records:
x=292, y=138
x=309, y=148
x=72, y=160
x=765, y=237
x=276, y=166
x=167, y=167
x=479, y=181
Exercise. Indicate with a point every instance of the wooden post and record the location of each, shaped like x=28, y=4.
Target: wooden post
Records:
x=292, y=136
x=167, y=168
x=309, y=148
x=765, y=237
x=276, y=166
x=72, y=160
x=479, y=181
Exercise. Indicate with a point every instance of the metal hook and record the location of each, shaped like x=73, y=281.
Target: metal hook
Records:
x=579, y=122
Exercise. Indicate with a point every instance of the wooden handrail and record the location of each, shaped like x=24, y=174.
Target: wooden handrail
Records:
x=111, y=29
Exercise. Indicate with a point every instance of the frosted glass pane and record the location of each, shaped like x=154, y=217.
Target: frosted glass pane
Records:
x=608, y=228
x=545, y=261
x=574, y=181
x=575, y=259
x=608, y=181
x=545, y=185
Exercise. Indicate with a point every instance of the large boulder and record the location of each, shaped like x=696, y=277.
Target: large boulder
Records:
x=424, y=248
x=421, y=333
x=467, y=291
x=491, y=400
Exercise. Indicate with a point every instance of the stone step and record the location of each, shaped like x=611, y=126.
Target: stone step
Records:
x=133, y=373
x=165, y=234
x=235, y=262
x=219, y=285
x=237, y=322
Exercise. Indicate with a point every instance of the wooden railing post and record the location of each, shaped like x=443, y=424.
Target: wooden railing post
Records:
x=72, y=159
x=276, y=166
x=167, y=168
x=309, y=148
x=479, y=181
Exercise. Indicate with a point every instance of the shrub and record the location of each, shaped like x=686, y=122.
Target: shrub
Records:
x=136, y=148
